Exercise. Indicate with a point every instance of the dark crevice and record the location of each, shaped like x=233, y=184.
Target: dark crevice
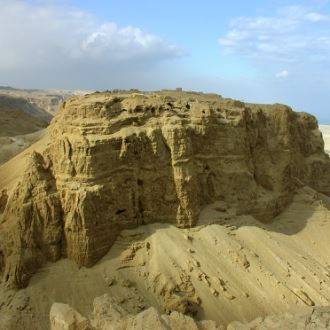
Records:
x=140, y=182
x=141, y=209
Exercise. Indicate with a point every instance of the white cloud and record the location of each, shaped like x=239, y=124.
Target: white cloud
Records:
x=53, y=40
x=282, y=74
x=317, y=17
x=125, y=43
x=288, y=52
x=291, y=34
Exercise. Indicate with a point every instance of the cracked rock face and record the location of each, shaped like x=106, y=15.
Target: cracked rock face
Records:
x=117, y=161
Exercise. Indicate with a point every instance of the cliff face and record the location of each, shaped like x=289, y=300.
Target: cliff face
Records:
x=120, y=160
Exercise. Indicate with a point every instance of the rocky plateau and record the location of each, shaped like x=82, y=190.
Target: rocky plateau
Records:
x=111, y=162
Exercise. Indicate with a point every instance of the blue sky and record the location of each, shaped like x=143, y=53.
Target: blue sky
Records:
x=258, y=51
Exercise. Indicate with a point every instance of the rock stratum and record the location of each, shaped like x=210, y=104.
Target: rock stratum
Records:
x=117, y=161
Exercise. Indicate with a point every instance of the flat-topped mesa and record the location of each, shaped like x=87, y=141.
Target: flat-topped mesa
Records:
x=120, y=160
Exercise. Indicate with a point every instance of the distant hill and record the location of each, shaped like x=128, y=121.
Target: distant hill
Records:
x=7, y=88
x=24, y=114
x=48, y=100
x=21, y=124
x=18, y=116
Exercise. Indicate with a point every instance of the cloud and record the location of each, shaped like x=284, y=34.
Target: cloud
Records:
x=120, y=44
x=317, y=17
x=288, y=51
x=282, y=74
x=60, y=43
x=292, y=34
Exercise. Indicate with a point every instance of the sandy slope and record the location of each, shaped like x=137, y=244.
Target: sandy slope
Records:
x=229, y=268
x=325, y=129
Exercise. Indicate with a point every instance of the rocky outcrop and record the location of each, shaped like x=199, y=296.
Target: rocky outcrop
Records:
x=63, y=317
x=325, y=129
x=109, y=315
x=31, y=231
x=120, y=160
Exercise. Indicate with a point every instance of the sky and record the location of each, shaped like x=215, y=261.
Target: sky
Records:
x=257, y=51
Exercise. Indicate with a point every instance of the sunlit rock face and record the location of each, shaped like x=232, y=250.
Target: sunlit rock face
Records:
x=325, y=129
x=116, y=161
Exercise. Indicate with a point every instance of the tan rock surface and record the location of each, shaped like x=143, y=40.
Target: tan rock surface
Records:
x=113, y=317
x=63, y=317
x=109, y=315
x=325, y=129
x=3, y=200
x=116, y=161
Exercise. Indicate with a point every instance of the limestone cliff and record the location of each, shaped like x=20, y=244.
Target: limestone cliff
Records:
x=119, y=160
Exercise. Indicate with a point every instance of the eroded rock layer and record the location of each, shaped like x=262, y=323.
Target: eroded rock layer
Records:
x=116, y=161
